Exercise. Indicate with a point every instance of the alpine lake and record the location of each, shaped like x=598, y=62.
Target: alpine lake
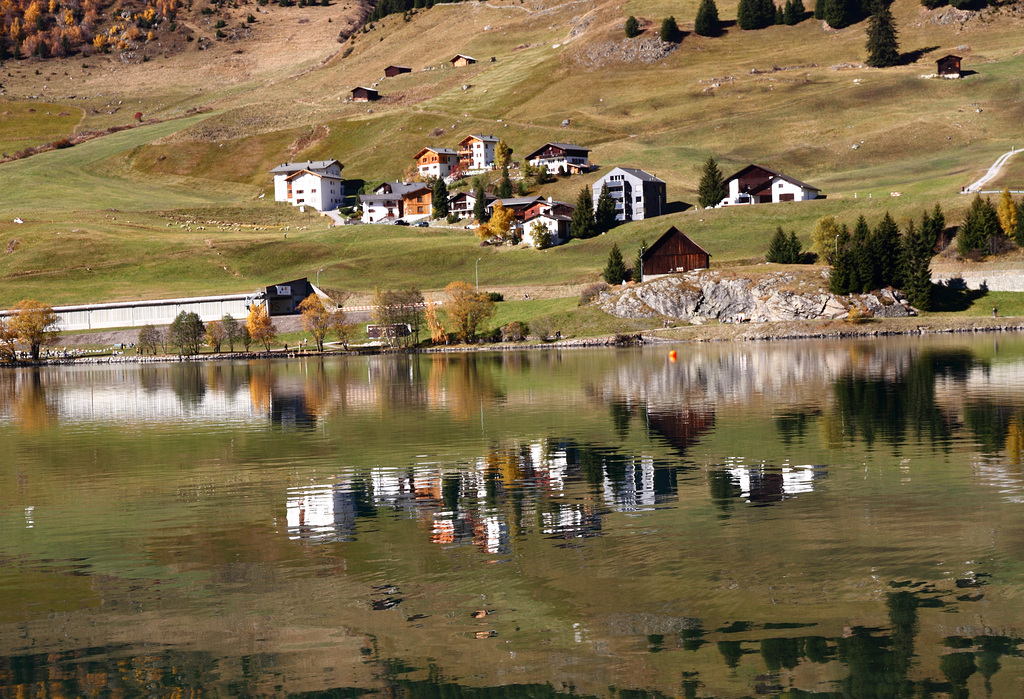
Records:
x=807, y=519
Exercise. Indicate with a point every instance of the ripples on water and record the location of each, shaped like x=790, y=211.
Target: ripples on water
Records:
x=816, y=519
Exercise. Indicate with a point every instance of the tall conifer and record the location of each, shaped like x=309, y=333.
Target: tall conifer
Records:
x=712, y=189
x=882, y=45
x=583, y=224
x=707, y=23
x=604, y=211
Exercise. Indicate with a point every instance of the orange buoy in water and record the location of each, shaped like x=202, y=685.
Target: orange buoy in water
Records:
x=672, y=356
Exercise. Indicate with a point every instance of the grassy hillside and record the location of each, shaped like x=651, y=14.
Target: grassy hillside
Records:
x=792, y=98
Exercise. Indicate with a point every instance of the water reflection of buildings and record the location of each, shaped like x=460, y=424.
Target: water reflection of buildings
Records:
x=546, y=487
x=764, y=484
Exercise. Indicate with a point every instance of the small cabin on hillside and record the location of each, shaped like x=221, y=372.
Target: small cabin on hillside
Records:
x=949, y=65
x=392, y=71
x=671, y=253
x=364, y=94
x=460, y=60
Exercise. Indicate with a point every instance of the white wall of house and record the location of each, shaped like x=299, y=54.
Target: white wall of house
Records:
x=374, y=212
x=483, y=155
x=554, y=165
x=442, y=168
x=779, y=188
x=550, y=223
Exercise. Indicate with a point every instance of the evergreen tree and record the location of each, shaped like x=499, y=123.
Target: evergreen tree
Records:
x=632, y=27
x=638, y=263
x=439, y=199
x=707, y=23
x=980, y=228
x=778, y=248
x=838, y=13
x=583, y=224
x=819, y=9
x=796, y=252
x=861, y=258
x=882, y=45
x=916, y=274
x=504, y=190
x=933, y=226
x=766, y=13
x=615, y=270
x=886, y=251
x=604, y=211
x=793, y=12
x=712, y=187
x=840, y=279
x=480, y=205
x=669, y=30
x=746, y=14
x=780, y=15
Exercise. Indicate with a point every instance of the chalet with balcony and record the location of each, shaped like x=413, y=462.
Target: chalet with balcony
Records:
x=476, y=153
x=392, y=71
x=561, y=157
x=756, y=184
x=364, y=94
x=436, y=162
x=518, y=205
x=464, y=203
x=315, y=183
x=461, y=59
x=637, y=194
x=673, y=252
x=555, y=216
x=394, y=200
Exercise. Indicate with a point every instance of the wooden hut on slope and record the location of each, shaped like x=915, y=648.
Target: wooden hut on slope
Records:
x=673, y=252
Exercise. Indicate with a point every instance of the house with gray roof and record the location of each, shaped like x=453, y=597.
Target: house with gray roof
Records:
x=315, y=183
x=756, y=184
x=637, y=194
x=561, y=157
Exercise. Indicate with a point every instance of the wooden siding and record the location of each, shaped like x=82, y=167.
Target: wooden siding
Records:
x=949, y=65
x=674, y=252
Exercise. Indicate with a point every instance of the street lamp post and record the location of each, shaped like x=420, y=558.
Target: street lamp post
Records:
x=642, y=249
x=318, y=277
x=478, y=274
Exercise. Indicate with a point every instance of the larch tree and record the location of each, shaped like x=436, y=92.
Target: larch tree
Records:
x=466, y=309
x=712, y=188
x=35, y=324
x=707, y=22
x=882, y=44
x=8, y=341
x=260, y=326
x=215, y=335
x=604, y=211
x=1006, y=210
x=583, y=224
x=316, y=319
x=825, y=238
x=502, y=156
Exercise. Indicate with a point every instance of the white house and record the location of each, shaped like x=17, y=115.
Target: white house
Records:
x=476, y=153
x=756, y=184
x=561, y=157
x=557, y=225
x=394, y=200
x=315, y=183
x=436, y=162
x=637, y=194
x=464, y=203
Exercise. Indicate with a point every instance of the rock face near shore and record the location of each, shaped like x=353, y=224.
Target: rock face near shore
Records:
x=706, y=295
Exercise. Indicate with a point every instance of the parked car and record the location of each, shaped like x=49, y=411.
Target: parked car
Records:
x=400, y=222
x=421, y=224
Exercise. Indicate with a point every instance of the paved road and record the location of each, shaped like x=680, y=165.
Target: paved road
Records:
x=991, y=174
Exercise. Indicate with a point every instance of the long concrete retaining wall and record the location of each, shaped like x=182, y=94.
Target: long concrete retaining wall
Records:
x=993, y=280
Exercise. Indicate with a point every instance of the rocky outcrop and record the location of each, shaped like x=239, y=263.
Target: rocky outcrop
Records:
x=706, y=295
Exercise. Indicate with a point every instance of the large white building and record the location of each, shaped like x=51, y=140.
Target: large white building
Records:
x=476, y=153
x=436, y=162
x=637, y=194
x=315, y=183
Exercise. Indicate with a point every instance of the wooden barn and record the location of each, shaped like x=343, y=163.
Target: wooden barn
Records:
x=461, y=60
x=364, y=94
x=392, y=71
x=673, y=252
x=949, y=65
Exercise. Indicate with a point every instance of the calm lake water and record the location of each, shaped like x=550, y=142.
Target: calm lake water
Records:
x=808, y=519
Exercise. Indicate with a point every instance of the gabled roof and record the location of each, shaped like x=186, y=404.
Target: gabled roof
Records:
x=637, y=173
x=300, y=173
x=378, y=198
x=959, y=58
x=485, y=139
x=667, y=236
x=399, y=67
x=308, y=165
x=400, y=188
x=521, y=201
x=439, y=151
x=563, y=146
x=789, y=179
x=548, y=214
x=461, y=55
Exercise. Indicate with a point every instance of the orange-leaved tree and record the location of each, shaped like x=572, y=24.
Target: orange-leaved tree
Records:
x=35, y=324
x=317, y=320
x=261, y=327
x=466, y=309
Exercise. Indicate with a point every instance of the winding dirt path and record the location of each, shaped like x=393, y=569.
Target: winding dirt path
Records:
x=992, y=173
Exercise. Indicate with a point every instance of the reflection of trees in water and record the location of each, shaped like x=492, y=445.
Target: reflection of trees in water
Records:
x=29, y=402
x=470, y=382
x=188, y=384
x=889, y=408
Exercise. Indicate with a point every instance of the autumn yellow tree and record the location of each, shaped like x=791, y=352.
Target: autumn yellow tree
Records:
x=437, y=331
x=499, y=226
x=215, y=335
x=260, y=326
x=8, y=341
x=466, y=309
x=317, y=320
x=1007, y=212
x=35, y=324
